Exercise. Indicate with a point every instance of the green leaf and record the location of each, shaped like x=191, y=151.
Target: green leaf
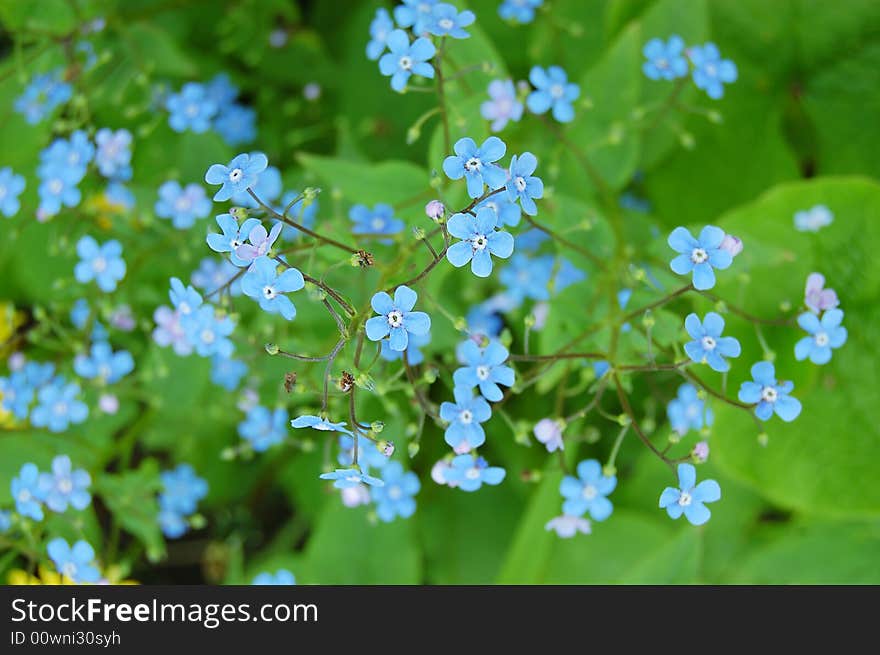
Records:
x=368, y=183
x=824, y=462
x=148, y=43
x=131, y=497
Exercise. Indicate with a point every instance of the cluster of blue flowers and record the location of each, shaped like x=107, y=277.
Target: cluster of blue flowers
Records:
x=201, y=107
x=62, y=488
x=43, y=94
x=58, y=401
x=821, y=321
x=181, y=492
x=519, y=11
x=77, y=562
x=11, y=186
x=671, y=59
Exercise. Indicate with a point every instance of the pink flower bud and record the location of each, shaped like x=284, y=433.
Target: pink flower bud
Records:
x=435, y=210
x=701, y=451
x=108, y=403
x=549, y=433
x=731, y=244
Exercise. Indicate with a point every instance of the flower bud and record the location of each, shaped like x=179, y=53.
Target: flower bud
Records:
x=435, y=210
x=377, y=426
x=700, y=452
x=731, y=244
x=385, y=447
x=413, y=449
x=239, y=213
x=272, y=348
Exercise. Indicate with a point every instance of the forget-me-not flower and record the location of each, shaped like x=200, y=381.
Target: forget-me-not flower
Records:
x=476, y=164
x=666, y=60
x=183, y=205
x=396, y=319
x=816, y=297
x=479, y=241
x=552, y=92
x=102, y=263
x=238, y=176
x=101, y=362
x=76, y=563
x=406, y=59
x=826, y=333
x=708, y=345
x=522, y=184
x=588, y=491
x=690, y=498
x=378, y=220
x=11, y=186
x=464, y=432
x=484, y=369
x=350, y=477
x=65, y=486
x=233, y=235
x=469, y=472
x=263, y=284
x=27, y=493
x=281, y=577
x=380, y=28
x=263, y=427
x=58, y=406
x=700, y=256
x=813, y=219
x=768, y=395
x=688, y=411
x=415, y=14
x=503, y=105
x=191, y=109
x=711, y=72
x=446, y=20
x=396, y=497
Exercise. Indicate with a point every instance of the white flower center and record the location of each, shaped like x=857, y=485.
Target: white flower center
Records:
x=708, y=343
x=2, y=192
x=353, y=477
x=405, y=62
x=236, y=174
x=65, y=485
x=446, y=23
x=520, y=183
x=589, y=492
x=685, y=499
x=184, y=308
x=692, y=411
x=472, y=473
x=769, y=394
x=378, y=224
x=99, y=265
x=821, y=339
x=479, y=241
x=473, y=164
x=192, y=110
x=269, y=292
x=661, y=63
x=182, y=204
x=466, y=416
x=60, y=408
x=395, y=318
x=711, y=71
x=24, y=496
x=69, y=569
x=55, y=186
x=556, y=90
x=394, y=493
x=208, y=336
x=483, y=372
x=104, y=371
x=698, y=256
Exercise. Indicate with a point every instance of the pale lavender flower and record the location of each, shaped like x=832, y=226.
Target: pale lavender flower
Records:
x=549, y=433
x=816, y=297
x=503, y=106
x=731, y=244
x=567, y=526
x=260, y=243
x=169, y=331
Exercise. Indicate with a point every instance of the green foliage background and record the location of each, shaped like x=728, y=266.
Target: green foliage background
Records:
x=799, y=127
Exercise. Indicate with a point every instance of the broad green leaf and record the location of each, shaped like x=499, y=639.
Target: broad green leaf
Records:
x=131, y=497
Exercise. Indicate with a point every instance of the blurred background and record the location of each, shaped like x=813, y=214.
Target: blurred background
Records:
x=797, y=129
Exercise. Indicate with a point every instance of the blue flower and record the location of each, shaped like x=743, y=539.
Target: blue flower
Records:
x=566, y=275
x=67, y=157
x=813, y=219
x=182, y=489
x=464, y=432
x=588, y=491
x=522, y=184
x=5, y=521
x=406, y=59
x=395, y=497
x=268, y=188
x=221, y=90
x=380, y=28
x=379, y=220
x=27, y=493
x=446, y=20
x=469, y=472
x=711, y=72
x=507, y=211
x=118, y=196
x=687, y=411
x=769, y=395
x=190, y=109
x=690, y=497
x=483, y=320
x=183, y=205
x=236, y=124
x=19, y=388
x=186, y=300
x=76, y=563
x=396, y=318
x=699, y=255
x=102, y=263
x=238, y=176
x=708, y=346
x=476, y=164
x=665, y=60
x=552, y=91
x=263, y=284
x=415, y=14
x=58, y=406
x=369, y=456
x=232, y=237
x=479, y=240
x=281, y=577
x=483, y=368
x=503, y=105
x=526, y=277
x=264, y=428
x=113, y=155
x=825, y=334
x=65, y=486
x=11, y=186
x=519, y=11
x=103, y=363
x=213, y=274
x=172, y=523
x=57, y=190
x=318, y=423
x=227, y=373
x=42, y=95
x=207, y=333
x=414, y=355
x=350, y=477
